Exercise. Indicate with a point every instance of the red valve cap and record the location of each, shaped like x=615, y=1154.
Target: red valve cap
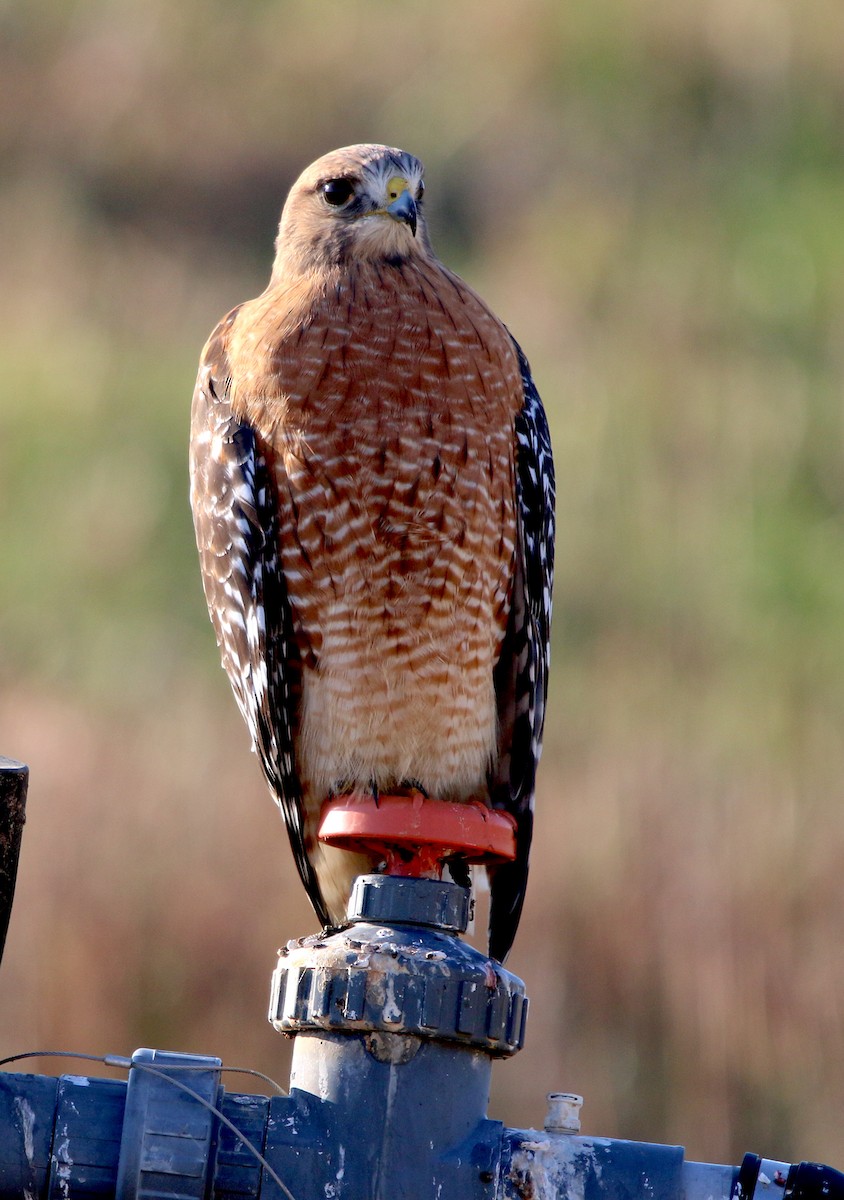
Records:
x=416, y=834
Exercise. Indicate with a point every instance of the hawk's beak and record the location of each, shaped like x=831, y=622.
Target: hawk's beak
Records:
x=404, y=209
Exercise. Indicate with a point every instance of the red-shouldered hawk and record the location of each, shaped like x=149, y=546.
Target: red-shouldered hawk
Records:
x=373, y=494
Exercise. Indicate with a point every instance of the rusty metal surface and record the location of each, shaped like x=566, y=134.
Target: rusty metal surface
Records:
x=542, y=1166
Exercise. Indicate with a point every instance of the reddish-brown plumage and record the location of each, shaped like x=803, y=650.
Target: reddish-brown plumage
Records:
x=387, y=398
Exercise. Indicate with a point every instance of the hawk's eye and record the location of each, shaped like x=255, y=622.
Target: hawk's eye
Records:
x=338, y=191
x=420, y=191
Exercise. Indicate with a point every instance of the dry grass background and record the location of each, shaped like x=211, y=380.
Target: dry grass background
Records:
x=651, y=195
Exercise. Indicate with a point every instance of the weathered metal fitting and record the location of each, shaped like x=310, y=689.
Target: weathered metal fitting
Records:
x=399, y=979
x=563, y=1115
x=406, y=901
x=405, y=981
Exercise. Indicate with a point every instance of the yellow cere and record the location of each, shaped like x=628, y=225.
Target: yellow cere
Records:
x=395, y=187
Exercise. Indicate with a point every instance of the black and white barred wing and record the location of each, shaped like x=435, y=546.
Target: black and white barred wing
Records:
x=521, y=676
x=236, y=522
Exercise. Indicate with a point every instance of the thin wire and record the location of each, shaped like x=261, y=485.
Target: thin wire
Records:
x=98, y=1058
x=118, y=1060
x=212, y=1108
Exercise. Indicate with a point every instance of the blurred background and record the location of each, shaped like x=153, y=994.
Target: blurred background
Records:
x=650, y=193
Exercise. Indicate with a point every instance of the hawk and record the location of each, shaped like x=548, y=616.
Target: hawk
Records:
x=373, y=496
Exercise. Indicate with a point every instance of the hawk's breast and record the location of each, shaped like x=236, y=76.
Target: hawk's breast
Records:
x=392, y=435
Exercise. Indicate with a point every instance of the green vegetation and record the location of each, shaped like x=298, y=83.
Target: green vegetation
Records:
x=651, y=196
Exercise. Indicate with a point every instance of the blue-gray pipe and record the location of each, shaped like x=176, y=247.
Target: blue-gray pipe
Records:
x=79, y=1137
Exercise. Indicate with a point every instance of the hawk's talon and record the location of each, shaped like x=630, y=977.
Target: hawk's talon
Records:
x=413, y=785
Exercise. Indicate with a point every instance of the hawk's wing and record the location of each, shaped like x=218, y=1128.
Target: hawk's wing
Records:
x=233, y=498
x=521, y=675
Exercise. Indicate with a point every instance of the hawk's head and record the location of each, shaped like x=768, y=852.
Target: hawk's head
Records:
x=358, y=202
